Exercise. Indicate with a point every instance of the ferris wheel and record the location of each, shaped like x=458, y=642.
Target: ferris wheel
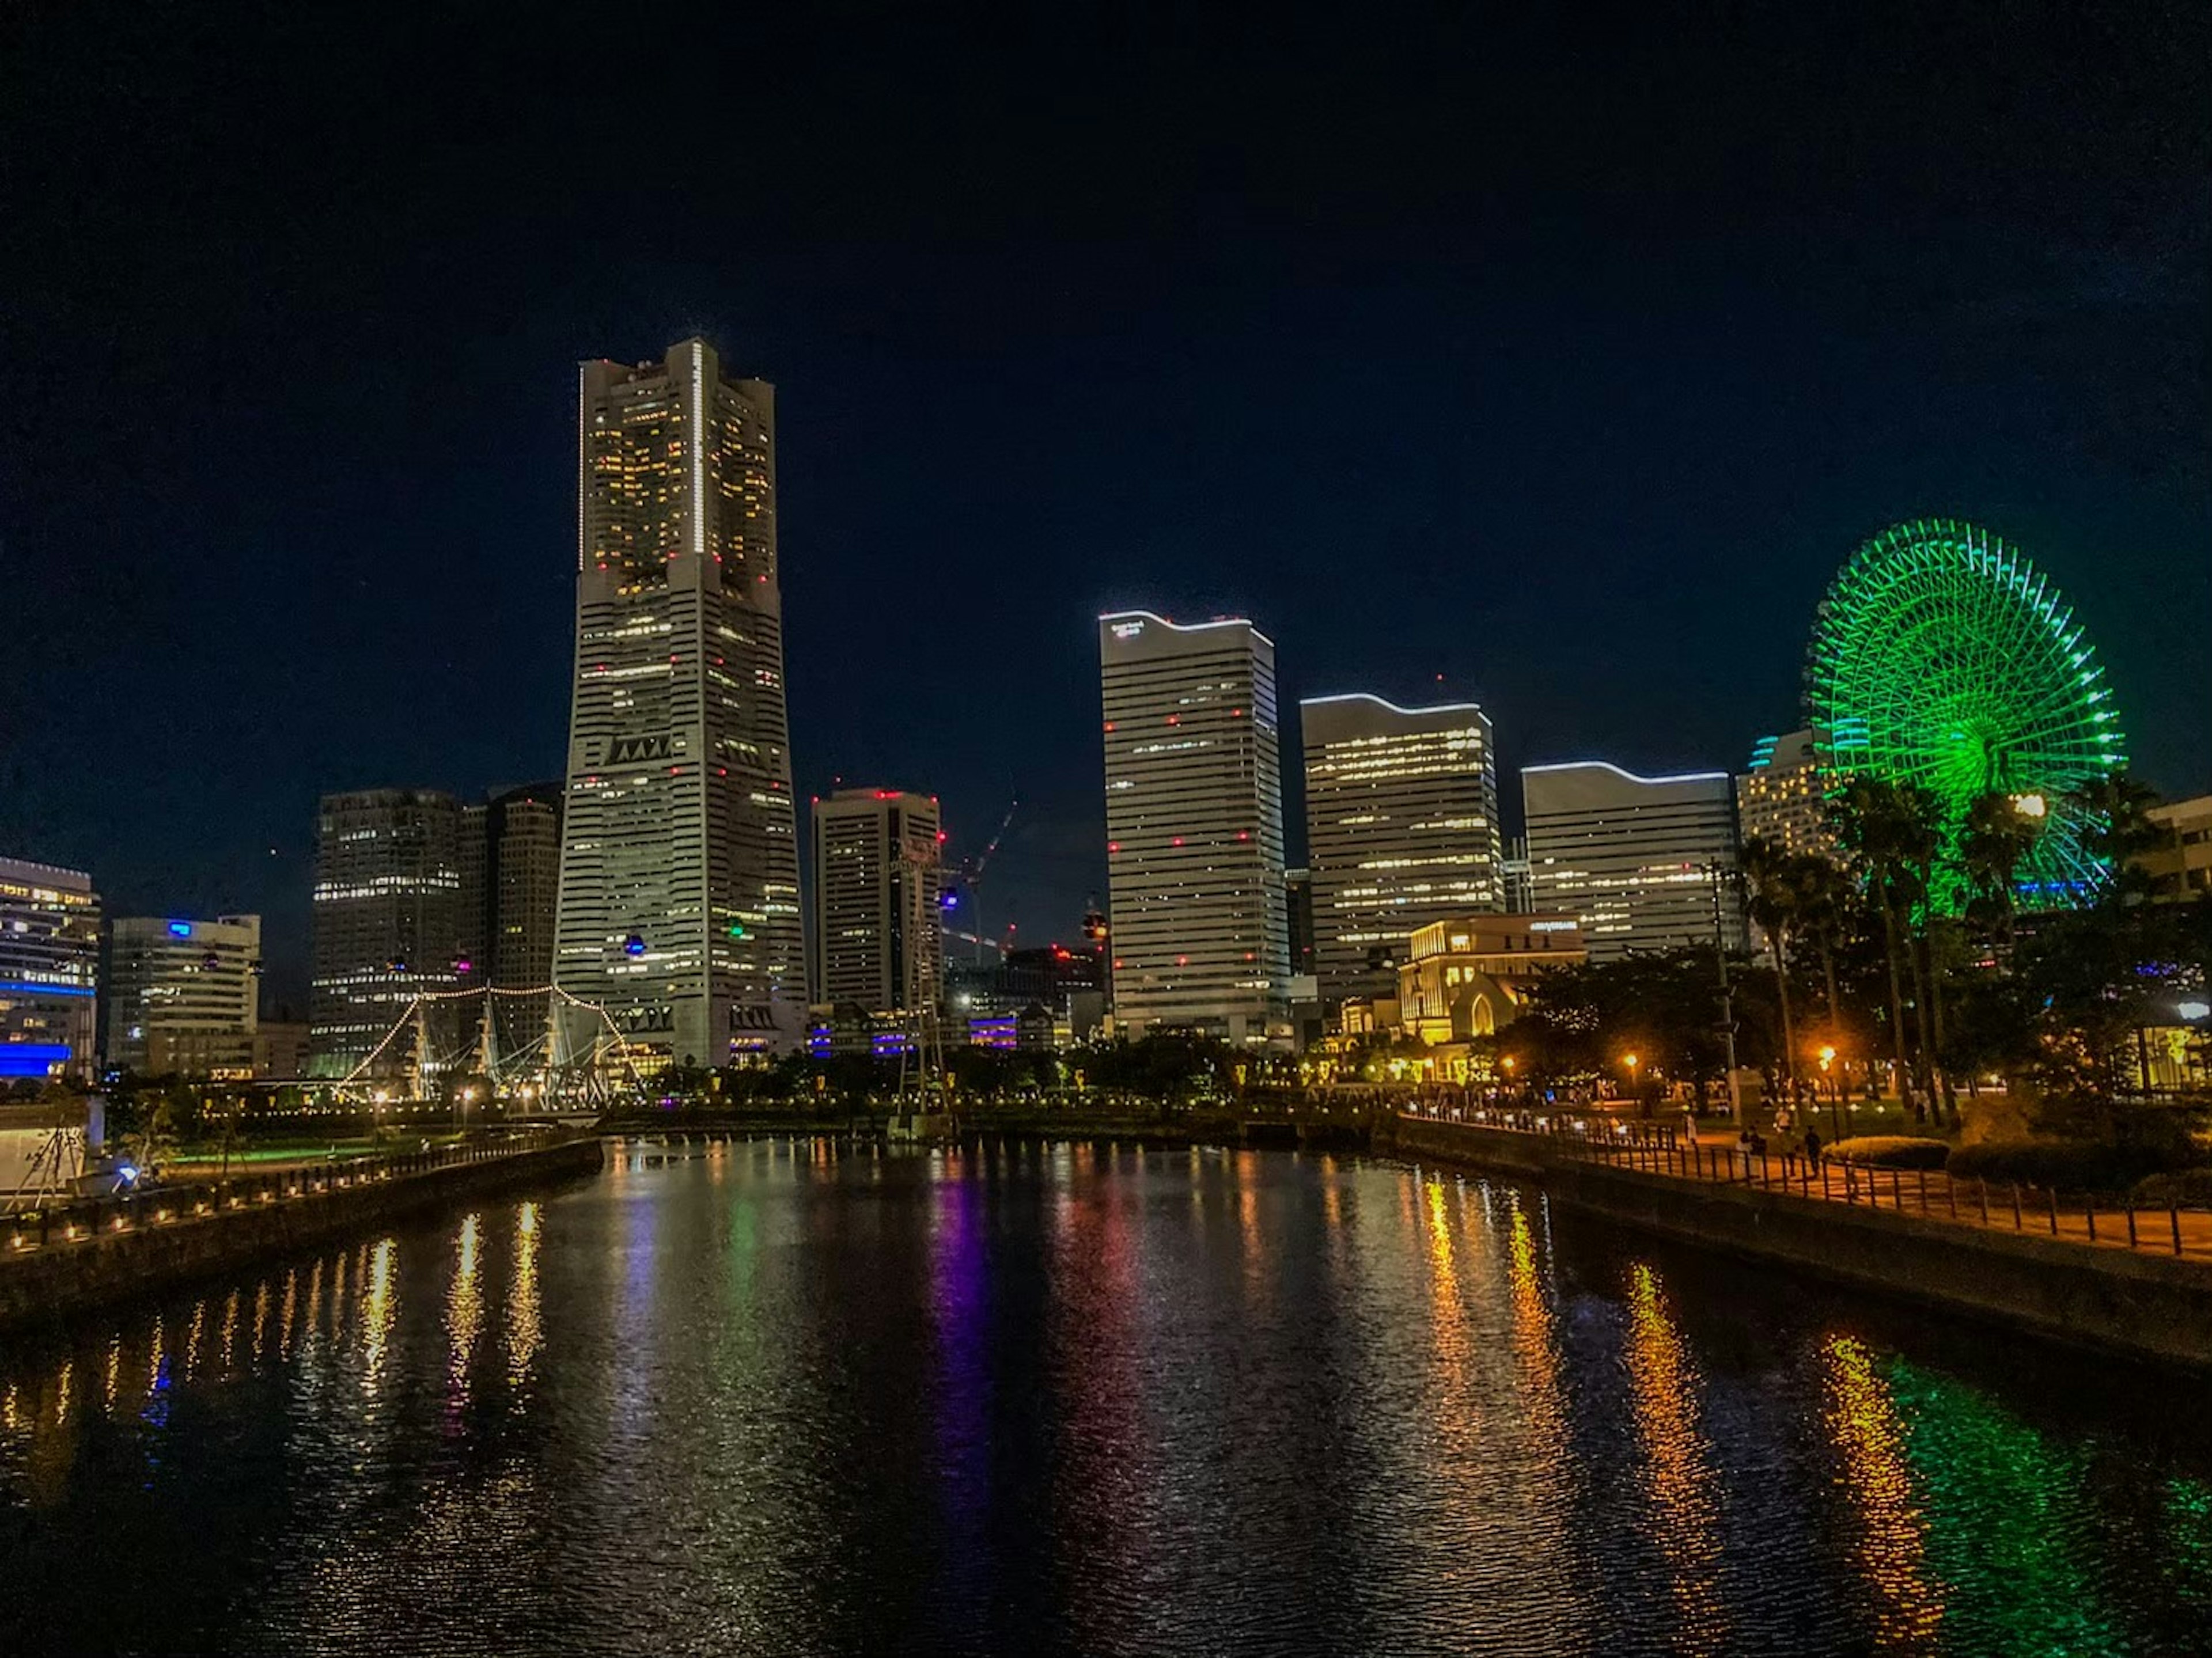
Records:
x=1941, y=657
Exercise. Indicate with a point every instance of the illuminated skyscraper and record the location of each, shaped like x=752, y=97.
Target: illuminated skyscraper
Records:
x=1195, y=827
x=876, y=886
x=49, y=970
x=1401, y=830
x=679, y=871
x=1781, y=798
x=1632, y=858
x=387, y=927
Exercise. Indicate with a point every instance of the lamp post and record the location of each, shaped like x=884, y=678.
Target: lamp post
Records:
x=1828, y=1057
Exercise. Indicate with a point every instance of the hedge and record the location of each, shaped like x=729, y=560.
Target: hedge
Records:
x=2065, y=1165
x=2191, y=1188
x=1891, y=1151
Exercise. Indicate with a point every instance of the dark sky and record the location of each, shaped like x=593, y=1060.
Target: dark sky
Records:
x=1565, y=360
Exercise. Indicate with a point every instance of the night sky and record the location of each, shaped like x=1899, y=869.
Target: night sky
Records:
x=1564, y=362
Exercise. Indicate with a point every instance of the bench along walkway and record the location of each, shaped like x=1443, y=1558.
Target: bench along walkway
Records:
x=2105, y=1222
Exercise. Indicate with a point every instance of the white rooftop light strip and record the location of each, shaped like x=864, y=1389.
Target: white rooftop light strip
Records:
x=1187, y=627
x=1384, y=702
x=1607, y=765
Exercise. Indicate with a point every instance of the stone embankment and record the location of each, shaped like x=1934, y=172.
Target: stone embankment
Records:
x=151, y=1243
x=2137, y=1302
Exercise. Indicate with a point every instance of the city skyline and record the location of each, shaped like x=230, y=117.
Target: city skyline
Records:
x=1589, y=405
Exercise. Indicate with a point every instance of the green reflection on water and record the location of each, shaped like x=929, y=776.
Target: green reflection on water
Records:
x=2007, y=1516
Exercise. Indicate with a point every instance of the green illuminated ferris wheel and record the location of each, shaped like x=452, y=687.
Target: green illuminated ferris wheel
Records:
x=1941, y=657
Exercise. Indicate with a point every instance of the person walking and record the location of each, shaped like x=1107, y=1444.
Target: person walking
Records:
x=1812, y=1148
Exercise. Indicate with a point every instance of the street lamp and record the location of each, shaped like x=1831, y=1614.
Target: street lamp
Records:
x=1630, y=1061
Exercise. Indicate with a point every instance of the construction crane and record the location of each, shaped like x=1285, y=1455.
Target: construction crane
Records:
x=966, y=875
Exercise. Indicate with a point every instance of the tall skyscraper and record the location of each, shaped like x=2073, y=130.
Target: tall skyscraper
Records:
x=510, y=862
x=878, y=883
x=1632, y=858
x=1401, y=830
x=49, y=970
x=679, y=868
x=1195, y=827
x=1781, y=797
x=388, y=926
x=182, y=996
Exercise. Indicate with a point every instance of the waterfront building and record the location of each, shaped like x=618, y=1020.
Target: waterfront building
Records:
x=387, y=927
x=2180, y=865
x=879, y=886
x=181, y=998
x=1635, y=861
x=678, y=909
x=1401, y=830
x=1195, y=828
x=49, y=970
x=1781, y=797
x=1469, y=975
x=510, y=883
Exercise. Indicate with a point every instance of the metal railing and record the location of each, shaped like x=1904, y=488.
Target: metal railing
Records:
x=54, y=1221
x=2106, y=1220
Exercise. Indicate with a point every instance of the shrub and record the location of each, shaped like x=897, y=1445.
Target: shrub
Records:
x=2188, y=1188
x=2066, y=1165
x=1891, y=1151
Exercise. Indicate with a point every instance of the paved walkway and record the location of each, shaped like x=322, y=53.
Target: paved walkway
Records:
x=2103, y=1223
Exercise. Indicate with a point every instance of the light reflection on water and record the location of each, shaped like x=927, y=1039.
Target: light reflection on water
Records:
x=1075, y=1399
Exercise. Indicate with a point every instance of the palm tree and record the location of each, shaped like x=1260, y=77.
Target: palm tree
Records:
x=1773, y=876
x=1890, y=830
x=2118, y=827
x=1994, y=840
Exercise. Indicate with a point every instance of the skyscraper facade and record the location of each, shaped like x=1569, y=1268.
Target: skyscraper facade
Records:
x=678, y=909
x=1781, y=797
x=1195, y=827
x=1637, y=861
x=1401, y=830
x=878, y=884
x=49, y=970
x=388, y=927
x=510, y=856
x=181, y=998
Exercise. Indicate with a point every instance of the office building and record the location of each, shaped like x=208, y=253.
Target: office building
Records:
x=1401, y=830
x=1520, y=892
x=388, y=927
x=1195, y=828
x=678, y=908
x=879, y=883
x=1470, y=976
x=49, y=971
x=510, y=861
x=181, y=998
x=282, y=1050
x=1781, y=797
x=2180, y=865
x=1638, y=861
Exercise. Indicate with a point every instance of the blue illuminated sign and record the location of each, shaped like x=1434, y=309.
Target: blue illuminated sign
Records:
x=180, y=929
x=32, y=1058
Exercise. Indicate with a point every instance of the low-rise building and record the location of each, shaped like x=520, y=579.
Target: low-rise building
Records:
x=2180, y=865
x=1469, y=976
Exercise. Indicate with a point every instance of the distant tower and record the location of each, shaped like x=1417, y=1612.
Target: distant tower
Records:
x=1401, y=830
x=877, y=890
x=1195, y=827
x=387, y=923
x=680, y=871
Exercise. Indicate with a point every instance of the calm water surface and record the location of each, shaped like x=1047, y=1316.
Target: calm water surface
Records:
x=784, y=1398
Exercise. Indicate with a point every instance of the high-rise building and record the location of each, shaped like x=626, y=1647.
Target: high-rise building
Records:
x=878, y=885
x=49, y=970
x=679, y=906
x=1513, y=873
x=510, y=882
x=1633, y=859
x=182, y=997
x=1781, y=798
x=1401, y=830
x=1195, y=827
x=388, y=927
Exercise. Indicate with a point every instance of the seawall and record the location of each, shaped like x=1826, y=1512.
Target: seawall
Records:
x=2139, y=1304
x=50, y=1284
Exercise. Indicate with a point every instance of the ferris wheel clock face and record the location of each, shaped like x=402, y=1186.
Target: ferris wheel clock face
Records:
x=1941, y=657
